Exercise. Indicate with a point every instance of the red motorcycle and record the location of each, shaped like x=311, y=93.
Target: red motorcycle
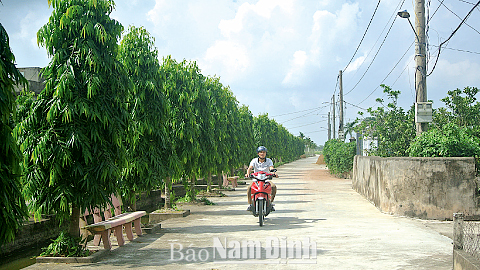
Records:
x=261, y=194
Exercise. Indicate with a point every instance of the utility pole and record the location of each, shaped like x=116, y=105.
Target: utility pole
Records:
x=328, y=128
x=420, y=59
x=333, y=98
x=341, y=134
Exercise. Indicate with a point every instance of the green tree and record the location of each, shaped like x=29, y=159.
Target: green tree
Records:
x=390, y=125
x=462, y=108
x=282, y=146
x=73, y=139
x=246, y=144
x=148, y=149
x=350, y=128
x=179, y=82
x=12, y=204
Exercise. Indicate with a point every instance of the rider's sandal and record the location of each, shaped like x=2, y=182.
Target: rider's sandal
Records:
x=250, y=207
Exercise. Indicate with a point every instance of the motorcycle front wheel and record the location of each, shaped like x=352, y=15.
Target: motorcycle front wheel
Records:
x=261, y=214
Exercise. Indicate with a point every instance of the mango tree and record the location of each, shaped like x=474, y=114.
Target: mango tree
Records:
x=12, y=204
x=73, y=138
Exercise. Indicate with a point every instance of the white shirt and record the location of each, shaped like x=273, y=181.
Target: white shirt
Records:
x=261, y=166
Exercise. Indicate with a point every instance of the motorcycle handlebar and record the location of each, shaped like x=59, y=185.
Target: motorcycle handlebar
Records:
x=269, y=177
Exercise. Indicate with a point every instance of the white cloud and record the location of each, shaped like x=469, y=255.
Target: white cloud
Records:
x=296, y=72
x=231, y=56
x=355, y=64
x=331, y=31
x=262, y=8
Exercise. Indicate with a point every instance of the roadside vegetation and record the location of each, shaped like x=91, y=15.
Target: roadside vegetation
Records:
x=454, y=131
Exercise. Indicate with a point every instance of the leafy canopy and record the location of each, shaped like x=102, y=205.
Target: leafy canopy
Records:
x=12, y=205
x=148, y=148
x=390, y=125
x=73, y=138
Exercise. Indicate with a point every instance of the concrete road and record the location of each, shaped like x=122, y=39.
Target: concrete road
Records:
x=319, y=223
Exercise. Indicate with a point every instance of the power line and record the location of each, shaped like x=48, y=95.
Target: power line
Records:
x=451, y=35
x=366, y=30
x=456, y=49
x=370, y=51
x=383, y=42
x=387, y=74
x=316, y=131
x=355, y=106
x=305, y=114
x=308, y=124
x=299, y=111
x=441, y=2
x=460, y=17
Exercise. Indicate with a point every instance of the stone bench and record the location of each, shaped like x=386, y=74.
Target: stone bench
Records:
x=101, y=229
x=232, y=179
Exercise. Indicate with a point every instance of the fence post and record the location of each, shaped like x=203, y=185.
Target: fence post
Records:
x=458, y=230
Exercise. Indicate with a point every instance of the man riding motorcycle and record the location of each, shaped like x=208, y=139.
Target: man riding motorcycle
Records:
x=262, y=163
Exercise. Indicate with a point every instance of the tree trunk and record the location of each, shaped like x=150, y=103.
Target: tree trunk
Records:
x=191, y=189
x=209, y=182
x=74, y=229
x=168, y=186
x=131, y=202
x=220, y=178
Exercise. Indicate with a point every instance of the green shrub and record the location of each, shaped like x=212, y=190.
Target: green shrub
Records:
x=449, y=141
x=339, y=156
x=66, y=246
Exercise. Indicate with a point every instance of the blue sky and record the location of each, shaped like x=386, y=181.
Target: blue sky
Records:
x=282, y=57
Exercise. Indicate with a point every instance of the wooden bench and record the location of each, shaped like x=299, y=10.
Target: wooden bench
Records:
x=101, y=229
x=232, y=179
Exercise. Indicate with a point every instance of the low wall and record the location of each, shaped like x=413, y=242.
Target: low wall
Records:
x=464, y=261
x=34, y=234
x=427, y=188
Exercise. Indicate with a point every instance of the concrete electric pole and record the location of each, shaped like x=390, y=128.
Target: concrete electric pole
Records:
x=423, y=109
x=329, y=128
x=420, y=60
x=341, y=134
x=333, y=118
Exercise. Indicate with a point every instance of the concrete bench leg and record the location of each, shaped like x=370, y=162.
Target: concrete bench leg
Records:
x=96, y=239
x=128, y=230
x=106, y=239
x=138, y=227
x=119, y=235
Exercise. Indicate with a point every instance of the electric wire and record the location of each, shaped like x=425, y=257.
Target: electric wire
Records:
x=460, y=50
x=364, y=34
x=459, y=18
x=304, y=114
x=355, y=106
x=387, y=74
x=468, y=3
x=308, y=124
x=451, y=35
x=316, y=131
x=373, y=60
x=298, y=111
x=376, y=41
x=441, y=2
